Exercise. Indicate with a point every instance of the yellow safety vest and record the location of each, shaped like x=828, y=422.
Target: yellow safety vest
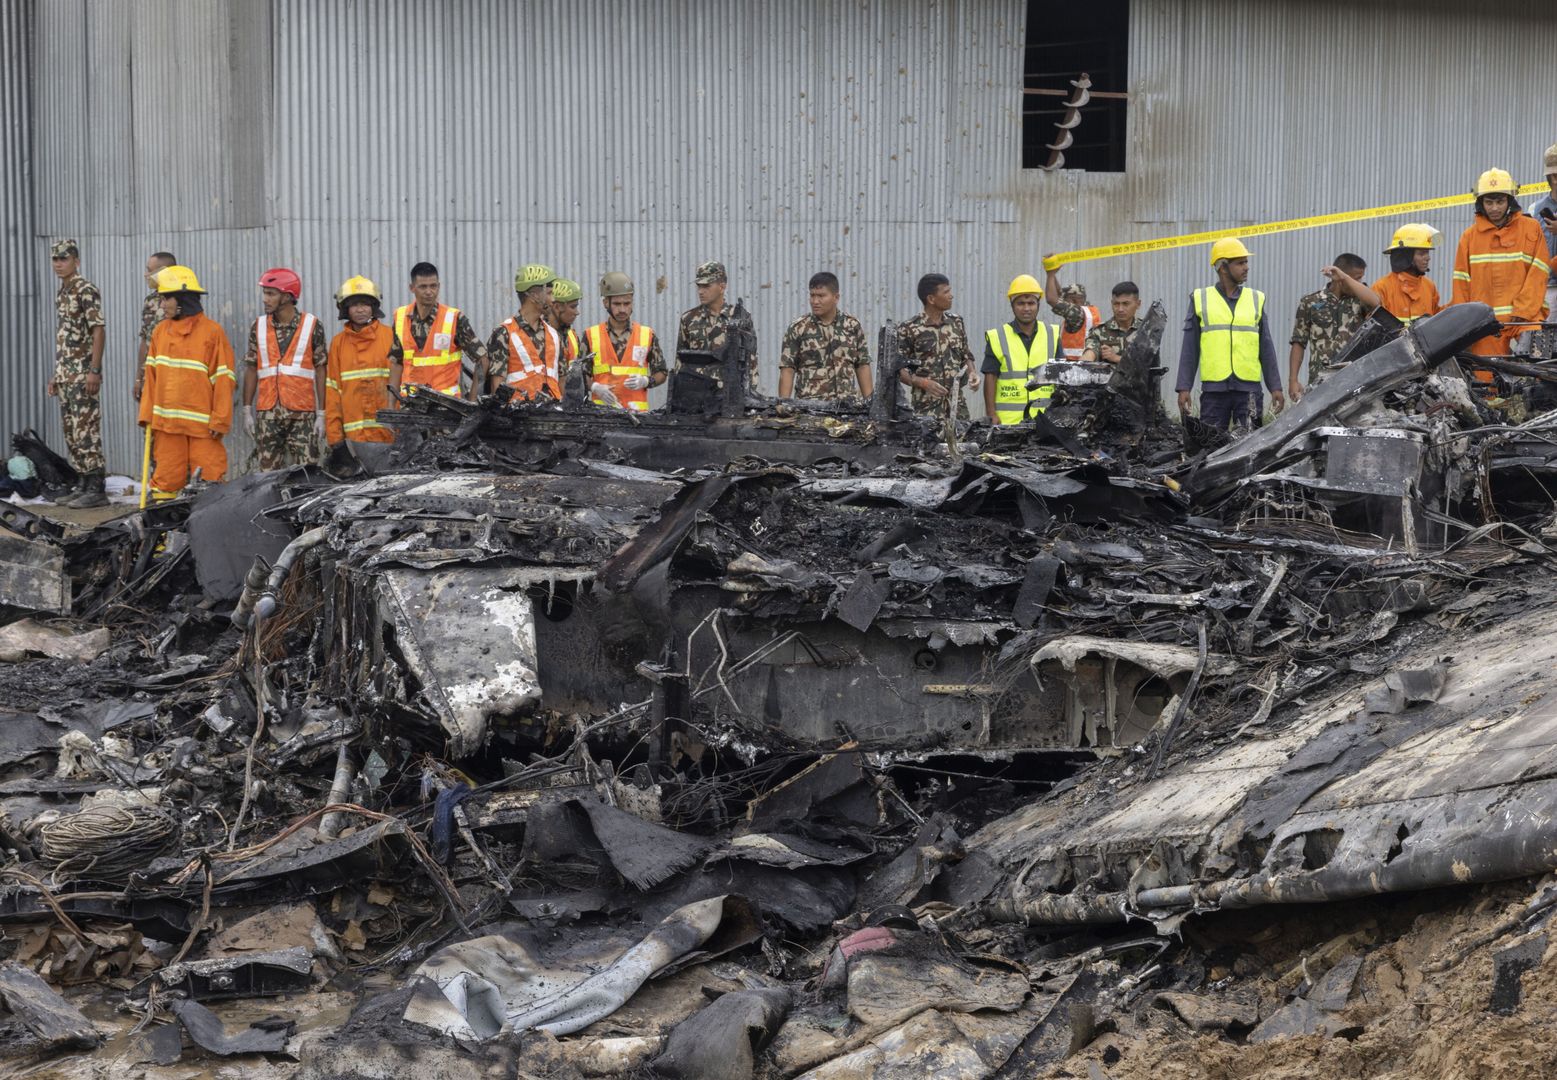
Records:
x=1229, y=337
x=1017, y=361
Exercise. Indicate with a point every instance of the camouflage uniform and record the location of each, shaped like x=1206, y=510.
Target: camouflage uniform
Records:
x=1068, y=307
x=937, y=353
x=497, y=348
x=79, y=307
x=283, y=437
x=824, y=357
x=704, y=331
x=1324, y=323
x=151, y=315
x=1110, y=334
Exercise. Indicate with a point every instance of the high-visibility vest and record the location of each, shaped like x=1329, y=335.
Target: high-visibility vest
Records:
x=1017, y=361
x=357, y=384
x=1229, y=337
x=612, y=370
x=436, y=362
x=286, y=377
x=1073, y=344
x=569, y=345
x=530, y=370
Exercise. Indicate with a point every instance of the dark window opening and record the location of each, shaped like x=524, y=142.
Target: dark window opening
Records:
x=1069, y=43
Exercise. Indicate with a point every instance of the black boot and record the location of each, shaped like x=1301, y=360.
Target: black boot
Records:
x=92, y=493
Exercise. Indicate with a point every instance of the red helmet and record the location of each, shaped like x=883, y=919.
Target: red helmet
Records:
x=279, y=277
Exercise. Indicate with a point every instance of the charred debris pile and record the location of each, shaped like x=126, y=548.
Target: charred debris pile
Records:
x=757, y=738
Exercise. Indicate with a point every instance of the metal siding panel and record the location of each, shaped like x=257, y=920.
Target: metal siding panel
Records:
x=878, y=140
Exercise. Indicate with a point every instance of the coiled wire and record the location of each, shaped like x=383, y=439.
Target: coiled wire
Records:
x=106, y=843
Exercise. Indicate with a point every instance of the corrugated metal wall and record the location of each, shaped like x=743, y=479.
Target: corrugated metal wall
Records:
x=876, y=139
x=23, y=370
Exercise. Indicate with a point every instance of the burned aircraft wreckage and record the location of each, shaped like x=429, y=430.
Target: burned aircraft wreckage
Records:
x=708, y=681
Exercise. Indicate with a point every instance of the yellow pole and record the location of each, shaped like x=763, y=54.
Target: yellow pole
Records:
x=145, y=467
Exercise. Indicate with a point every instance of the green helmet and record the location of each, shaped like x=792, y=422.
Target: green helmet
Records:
x=532, y=275
x=565, y=290
x=615, y=283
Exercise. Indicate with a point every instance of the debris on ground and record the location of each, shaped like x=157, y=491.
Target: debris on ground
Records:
x=749, y=738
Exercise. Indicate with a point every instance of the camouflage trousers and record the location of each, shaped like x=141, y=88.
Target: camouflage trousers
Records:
x=284, y=438
x=83, y=416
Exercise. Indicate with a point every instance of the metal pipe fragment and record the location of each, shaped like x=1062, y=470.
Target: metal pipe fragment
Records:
x=345, y=772
x=252, y=584
x=270, y=601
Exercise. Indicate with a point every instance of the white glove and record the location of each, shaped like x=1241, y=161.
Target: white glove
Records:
x=636, y=382
x=319, y=427
x=249, y=420
x=603, y=393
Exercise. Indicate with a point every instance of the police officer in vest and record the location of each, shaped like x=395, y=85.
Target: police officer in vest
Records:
x=1012, y=351
x=1227, y=343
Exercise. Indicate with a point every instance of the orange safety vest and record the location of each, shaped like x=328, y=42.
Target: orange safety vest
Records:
x=1073, y=345
x=613, y=370
x=289, y=377
x=532, y=370
x=357, y=384
x=569, y=345
x=435, y=363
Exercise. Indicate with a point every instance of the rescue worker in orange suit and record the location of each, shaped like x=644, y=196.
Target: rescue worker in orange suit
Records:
x=1406, y=292
x=1501, y=262
x=525, y=351
x=565, y=297
x=283, y=376
x=628, y=358
x=356, y=385
x=1077, y=317
x=434, y=343
x=187, y=398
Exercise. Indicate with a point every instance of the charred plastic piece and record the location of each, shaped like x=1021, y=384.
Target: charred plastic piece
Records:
x=1423, y=347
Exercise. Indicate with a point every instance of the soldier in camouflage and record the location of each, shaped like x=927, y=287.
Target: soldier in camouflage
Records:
x=1107, y=342
x=1327, y=319
x=707, y=326
x=825, y=354
x=151, y=315
x=78, y=372
x=283, y=436
x=934, y=349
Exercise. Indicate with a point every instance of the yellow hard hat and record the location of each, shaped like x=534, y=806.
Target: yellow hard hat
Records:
x=532, y=275
x=565, y=290
x=1024, y=285
x=1412, y=235
x=172, y=279
x=357, y=285
x=1230, y=248
x=1495, y=182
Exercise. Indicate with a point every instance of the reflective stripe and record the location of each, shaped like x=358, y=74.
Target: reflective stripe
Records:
x=1461, y=275
x=365, y=373
x=223, y=371
x=176, y=362
x=1230, y=346
x=364, y=425
x=627, y=369
x=1513, y=256
x=1013, y=400
x=180, y=414
x=1503, y=310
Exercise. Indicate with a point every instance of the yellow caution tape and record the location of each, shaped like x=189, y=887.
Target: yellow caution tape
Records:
x=1054, y=262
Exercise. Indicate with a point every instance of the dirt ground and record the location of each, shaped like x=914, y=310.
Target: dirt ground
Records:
x=1419, y=1009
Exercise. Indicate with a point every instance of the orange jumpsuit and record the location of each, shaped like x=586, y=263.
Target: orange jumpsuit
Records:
x=1407, y=296
x=187, y=401
x=356, y=384
x=1504, y=268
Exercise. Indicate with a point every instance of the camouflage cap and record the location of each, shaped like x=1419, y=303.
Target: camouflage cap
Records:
x=710, y=272
x=1550, y=159
x=1074, y=292
x=64, y=249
